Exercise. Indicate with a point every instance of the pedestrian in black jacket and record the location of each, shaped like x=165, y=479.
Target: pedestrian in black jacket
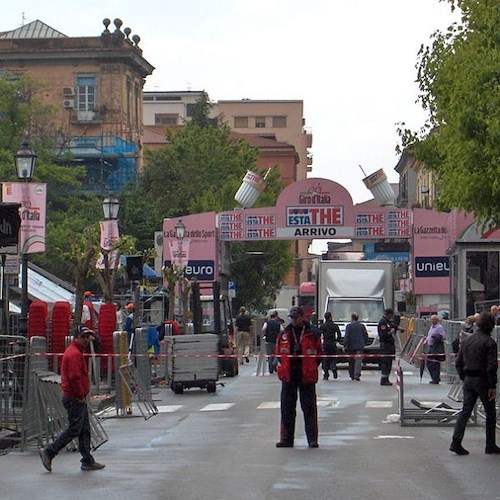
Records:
x=477, y=366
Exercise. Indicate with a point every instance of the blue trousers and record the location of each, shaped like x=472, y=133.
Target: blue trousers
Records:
x=78, y=427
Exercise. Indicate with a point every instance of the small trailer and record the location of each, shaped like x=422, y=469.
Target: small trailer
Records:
x=193, y=361
x=198, y=359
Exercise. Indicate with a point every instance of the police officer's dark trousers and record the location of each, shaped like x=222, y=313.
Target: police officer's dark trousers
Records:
x=476, y=387
x=307, y=394
x=387, y=355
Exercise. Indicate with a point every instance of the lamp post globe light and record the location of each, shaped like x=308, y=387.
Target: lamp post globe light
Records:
x=25, y=160
x=110, y=207
x=180, y=230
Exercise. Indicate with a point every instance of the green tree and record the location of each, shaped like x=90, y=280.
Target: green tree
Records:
x=459, y=80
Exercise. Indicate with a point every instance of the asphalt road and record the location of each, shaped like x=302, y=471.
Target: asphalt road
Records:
x=222, y=447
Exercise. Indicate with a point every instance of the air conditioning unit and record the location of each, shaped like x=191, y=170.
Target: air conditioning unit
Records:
x=68, y=91
x=68, y=103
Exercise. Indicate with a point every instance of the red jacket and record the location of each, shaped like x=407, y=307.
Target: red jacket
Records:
x=75, y=381
x=310, y=344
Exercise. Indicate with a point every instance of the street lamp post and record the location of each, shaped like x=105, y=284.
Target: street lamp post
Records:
x=109, y=235
x=25, y=160
x=180, y=232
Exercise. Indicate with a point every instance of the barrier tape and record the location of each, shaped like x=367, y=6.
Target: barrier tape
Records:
x=256, y=356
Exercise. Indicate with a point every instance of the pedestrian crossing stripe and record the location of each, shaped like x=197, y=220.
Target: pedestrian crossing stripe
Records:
x=269, y=405
x=332, y=403
x=272, y=405
x=168, y=408
x=378, y=404
x=217, y=407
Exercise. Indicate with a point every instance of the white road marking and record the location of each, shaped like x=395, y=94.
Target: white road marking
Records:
x=328, y=402
x=169, y=408
x=217, y=407
x=268, y=405
x=393, y=437
x=378, y=404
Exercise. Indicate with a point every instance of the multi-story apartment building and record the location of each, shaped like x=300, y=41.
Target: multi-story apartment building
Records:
x=94, y=85
x=280, y=120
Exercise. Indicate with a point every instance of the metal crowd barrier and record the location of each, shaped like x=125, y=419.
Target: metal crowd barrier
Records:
x=52, y=417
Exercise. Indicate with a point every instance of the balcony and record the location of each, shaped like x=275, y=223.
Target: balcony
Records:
x=79, y=117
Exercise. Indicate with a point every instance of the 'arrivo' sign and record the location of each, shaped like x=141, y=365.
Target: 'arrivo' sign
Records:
x=314, y=208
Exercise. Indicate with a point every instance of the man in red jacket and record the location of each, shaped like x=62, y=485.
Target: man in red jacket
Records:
x=298, y=349
x=75, y=386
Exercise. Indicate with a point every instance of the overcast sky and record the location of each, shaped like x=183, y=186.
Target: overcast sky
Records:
x=352, y=62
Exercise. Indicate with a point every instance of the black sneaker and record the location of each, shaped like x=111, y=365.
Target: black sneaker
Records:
x=314, y=444
x=335, y=374
x=280, y=444
x=458, y=449
x=46, y=460
x=93, y=466
x=492, y=450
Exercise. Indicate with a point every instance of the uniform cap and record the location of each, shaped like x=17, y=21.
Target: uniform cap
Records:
x=295, y=312
x=130, y=306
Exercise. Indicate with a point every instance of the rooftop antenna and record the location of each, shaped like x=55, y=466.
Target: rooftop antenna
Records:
x=364, y=173
x=23, y=18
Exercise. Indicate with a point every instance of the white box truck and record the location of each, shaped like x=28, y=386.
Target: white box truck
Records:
x=362, y=286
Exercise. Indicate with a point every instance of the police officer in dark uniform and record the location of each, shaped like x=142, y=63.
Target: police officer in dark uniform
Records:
x=298, y=349
x=385, y=330
x=477, y=366
x=330, y=332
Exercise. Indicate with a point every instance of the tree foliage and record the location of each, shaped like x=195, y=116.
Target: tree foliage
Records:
x=459, y=81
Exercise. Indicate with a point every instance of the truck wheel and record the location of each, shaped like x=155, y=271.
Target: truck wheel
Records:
x=178, y=388
x=211, y=386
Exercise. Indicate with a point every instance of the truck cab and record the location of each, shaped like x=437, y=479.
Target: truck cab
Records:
x=361, y=286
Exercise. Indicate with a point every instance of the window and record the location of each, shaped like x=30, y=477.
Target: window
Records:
x=190, y=109
x=241, y=122
x=168, y=98
x=279, y=121
x=260, y=122
x=86, y=89
x=166, y=119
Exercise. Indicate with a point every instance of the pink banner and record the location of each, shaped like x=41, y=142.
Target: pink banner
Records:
x=179, y=252
x=33, y=199
x=109, y=235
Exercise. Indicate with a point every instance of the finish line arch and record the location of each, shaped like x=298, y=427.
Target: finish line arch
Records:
x=312, y=208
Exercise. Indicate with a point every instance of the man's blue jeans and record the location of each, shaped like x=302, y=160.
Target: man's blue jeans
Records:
x=78, y=427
